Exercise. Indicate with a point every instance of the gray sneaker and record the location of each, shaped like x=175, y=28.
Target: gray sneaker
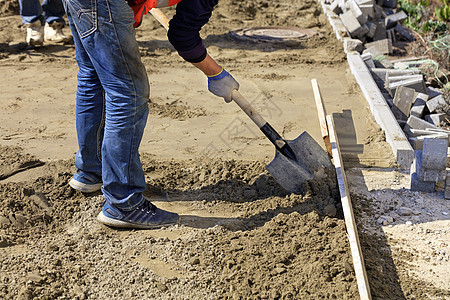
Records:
x=146, y=216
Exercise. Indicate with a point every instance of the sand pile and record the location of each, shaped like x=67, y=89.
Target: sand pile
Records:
x=276, y=245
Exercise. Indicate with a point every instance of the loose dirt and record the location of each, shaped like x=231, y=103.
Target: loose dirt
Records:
x=241, y=235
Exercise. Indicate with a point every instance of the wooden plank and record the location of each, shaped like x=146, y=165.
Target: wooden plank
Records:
x=321, y=113
x=352, y=231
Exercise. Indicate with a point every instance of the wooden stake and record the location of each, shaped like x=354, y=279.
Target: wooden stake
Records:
x=352, y=231
x=321, y=113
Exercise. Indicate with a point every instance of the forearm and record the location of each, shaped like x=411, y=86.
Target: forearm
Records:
x=208, y=66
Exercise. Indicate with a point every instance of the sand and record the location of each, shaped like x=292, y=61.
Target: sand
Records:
x=241, y=235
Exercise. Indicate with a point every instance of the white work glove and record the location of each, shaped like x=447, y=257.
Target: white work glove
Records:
x=222, y=85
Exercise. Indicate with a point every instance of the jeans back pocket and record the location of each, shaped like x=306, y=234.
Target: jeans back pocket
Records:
x=83, y=14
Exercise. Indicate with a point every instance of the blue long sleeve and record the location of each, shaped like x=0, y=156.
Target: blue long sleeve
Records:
x=185, y=26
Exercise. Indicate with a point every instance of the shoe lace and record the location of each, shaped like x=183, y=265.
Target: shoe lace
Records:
x=147, y=207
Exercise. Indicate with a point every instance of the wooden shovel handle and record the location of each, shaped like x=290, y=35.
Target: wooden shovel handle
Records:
x=160, y=17
x=248, y=109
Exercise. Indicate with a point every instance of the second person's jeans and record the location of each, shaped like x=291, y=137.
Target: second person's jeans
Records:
x=112, y=97
x=50, y=11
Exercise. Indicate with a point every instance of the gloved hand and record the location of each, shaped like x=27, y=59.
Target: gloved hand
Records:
x=222, y=85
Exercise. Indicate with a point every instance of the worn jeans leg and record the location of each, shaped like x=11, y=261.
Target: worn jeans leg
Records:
x=53, y=11
x=106, y=33
x=31, y=11
x=90, y=102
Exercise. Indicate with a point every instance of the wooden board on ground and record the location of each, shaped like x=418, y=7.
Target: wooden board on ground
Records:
x=352, y=231
x=321, y=113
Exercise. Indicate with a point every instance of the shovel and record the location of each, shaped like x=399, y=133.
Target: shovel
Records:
x=295, y=161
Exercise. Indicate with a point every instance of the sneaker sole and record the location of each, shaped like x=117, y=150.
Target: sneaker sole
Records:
x=122, y=224
x=85, y=188
x=36, y=43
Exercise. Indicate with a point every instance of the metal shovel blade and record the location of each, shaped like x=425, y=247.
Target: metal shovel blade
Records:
x=310, y=158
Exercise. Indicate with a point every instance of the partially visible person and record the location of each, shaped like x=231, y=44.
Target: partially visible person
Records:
x=43, y=22
x=112, y=100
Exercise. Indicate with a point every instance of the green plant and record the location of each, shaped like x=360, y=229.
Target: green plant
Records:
x=419, y=17
x=443, y=12
x=433, y=25
x=440, y=46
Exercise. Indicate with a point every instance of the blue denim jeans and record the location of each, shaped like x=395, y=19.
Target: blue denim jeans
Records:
x=50, y=11
x=112, y=97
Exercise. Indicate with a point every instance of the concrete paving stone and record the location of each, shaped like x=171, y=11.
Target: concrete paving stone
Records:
x=390, y=101
x=434, y=155
x=383, y=72
x=433, y=92
x=390, y=33
x=419, y=105
x=367, y=58
x=334, y=7
x=447, y=193
x=441, y=136
x=417, y=123
x=417, y=84
x=388, y=11
x=405, y=65
x=390, y=3
x=417, y=141
x=405, y=33
x=436, y=103
x=367, y=10
x=417, y=184
x=436, y=119
x=403, y=100
x=381, y=46
x=353, y=45
x=392, y=20
x=378, y=76
x=402, y=123
x=447, y=185
x=372, y=29
x=365, y=2
x=362, y=19
x=351, y=23
x=409, y=59
x=377, y=12
x=381, y=61
x=422, y=132
x=364, y=31
x=429, y=175
x=391, y=79
x=437, y=130
x=424, y=174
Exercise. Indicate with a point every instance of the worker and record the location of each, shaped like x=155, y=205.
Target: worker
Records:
x=112, y=101
x=43, y=21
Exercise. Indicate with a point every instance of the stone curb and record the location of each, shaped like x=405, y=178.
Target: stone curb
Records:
x=395, y=136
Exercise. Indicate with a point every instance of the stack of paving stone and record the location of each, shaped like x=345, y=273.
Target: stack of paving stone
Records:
x=373, y=24
x=420, y=111
x=370, y=27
